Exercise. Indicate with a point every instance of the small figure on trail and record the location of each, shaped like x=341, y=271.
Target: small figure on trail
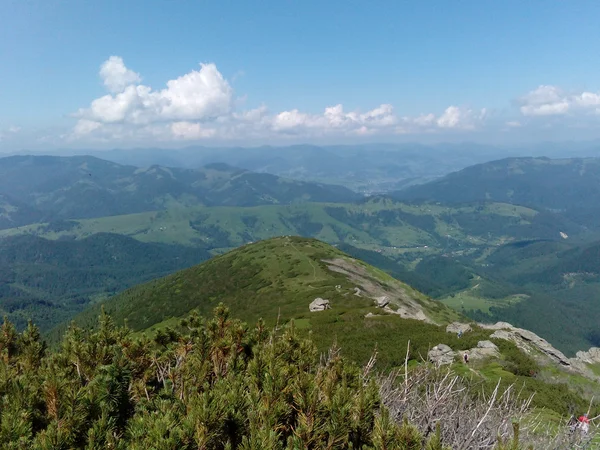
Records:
x=466, y=358
x=459, y=334
x=584, y=423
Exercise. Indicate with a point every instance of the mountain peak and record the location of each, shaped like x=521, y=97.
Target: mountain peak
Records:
x=275, y=277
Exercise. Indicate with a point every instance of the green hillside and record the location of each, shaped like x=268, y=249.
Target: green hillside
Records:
x=276, y=280
x=451, y=253
x=14, y=214
x=50, y=281
x=279, y=278
x=377, y=224
x=571, y=185
x=85, y=187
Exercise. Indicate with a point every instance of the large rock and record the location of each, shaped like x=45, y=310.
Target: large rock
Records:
x=455, y=327
x=487, y=344
x=441, y=354
x=592, y=356
x=319, y=304
x=382, y=301
x=527, y=341
x=484, y=350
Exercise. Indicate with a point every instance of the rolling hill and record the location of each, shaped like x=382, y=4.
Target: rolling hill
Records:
x=274, y=282
x=14, y=214
x=567, y=185
x=85, y=187
x=377, y=224
x=372, y=168
x=451, y=253
x=277, y=279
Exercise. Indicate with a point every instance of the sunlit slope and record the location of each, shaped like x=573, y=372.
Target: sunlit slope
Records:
x=276, y=277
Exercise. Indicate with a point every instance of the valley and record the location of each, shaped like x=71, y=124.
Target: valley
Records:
x=491, y=261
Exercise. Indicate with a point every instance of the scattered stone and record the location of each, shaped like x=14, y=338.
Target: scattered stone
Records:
x=483, y=353
x=382, y=301
x=455, y=327
x=319, y=304
x=487, y=344
x=441, y=354
x=484, y=349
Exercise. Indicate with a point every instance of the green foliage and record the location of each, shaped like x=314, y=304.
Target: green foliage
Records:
x=277, y=280
x=50, y=281
x=511, y=444
x=516, y=361
x=86, y=187
x=216, y=385
x=559, y=184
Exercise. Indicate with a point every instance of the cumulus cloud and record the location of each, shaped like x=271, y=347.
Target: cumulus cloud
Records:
x=116, y=76
x=201, y=105
x=548, y=100
x=196, y=95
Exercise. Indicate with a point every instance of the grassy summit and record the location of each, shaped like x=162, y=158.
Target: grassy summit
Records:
x=276, y=280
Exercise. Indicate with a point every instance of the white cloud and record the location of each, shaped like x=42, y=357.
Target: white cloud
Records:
x=116, y=76
x=587, y=99
x=513, y=124
x=552, y=101
x=191, y=131
x=196, y=95
x=201, y=105
x=85, y=126
x=14, y=129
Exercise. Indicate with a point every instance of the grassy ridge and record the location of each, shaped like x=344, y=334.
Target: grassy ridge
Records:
x=277, y=279
x=378, y=223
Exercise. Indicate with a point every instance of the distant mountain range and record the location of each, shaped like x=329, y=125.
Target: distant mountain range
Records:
x=556, y=184
x=370, y=168
x=36, y=187
x=373, y=168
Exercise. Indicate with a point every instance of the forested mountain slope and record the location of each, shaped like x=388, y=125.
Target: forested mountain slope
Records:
x=50, y=281
x=84, y=187
x=557, y=184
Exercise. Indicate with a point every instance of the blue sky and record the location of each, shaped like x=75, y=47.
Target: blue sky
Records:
x=94, y=74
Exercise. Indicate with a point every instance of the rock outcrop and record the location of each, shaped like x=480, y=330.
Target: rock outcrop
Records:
x=487, y=344
x=484, y=349
x=592, y=356
x=393, y=296
x=527, y=341
x=441, y=354
x=319, y=304
x=455, y=327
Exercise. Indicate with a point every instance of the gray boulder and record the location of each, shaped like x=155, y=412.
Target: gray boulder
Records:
x=487, y=344
x=528, y=341
x=592, y=356
x=319, y=304
x=455, y=327
x=484, y=350
x=441, y=354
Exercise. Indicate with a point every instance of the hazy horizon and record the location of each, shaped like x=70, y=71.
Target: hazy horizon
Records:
x=82, y=75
